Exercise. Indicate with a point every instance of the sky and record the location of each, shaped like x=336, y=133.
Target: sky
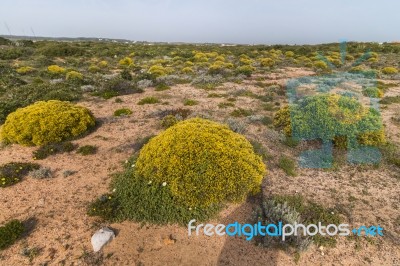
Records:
x=211, y=21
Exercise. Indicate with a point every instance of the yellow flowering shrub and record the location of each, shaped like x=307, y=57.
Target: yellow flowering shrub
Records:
x=25, y=70
x=202, y=163
x=102, y=64
x=126, y=62
x=158, y=70
x=74, y=75
x=46, y=122
x=390, y=70
x=56, y=70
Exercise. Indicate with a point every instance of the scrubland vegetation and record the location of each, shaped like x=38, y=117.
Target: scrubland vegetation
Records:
x=202, y=159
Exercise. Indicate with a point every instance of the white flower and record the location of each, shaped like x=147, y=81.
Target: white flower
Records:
x=114, y=190
x=149, y=182
x=190, y=209
x=126, y=161
x=133, y=165
x=164, y=184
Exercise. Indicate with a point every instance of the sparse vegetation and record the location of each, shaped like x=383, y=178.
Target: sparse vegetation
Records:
x=12, y=173
x=10, y=232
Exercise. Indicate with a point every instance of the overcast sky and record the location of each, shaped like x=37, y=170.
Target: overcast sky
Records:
x=217, y=21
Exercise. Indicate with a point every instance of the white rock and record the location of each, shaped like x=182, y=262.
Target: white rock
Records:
x=101, y=238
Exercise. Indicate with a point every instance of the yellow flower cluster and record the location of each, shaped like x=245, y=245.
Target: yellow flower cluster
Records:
x=46, y=122
x=202, y=163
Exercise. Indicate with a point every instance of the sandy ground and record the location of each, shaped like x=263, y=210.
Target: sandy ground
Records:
x=62, y=230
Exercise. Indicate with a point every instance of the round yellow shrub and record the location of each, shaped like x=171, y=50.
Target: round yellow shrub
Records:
x=390, y=70
x=25, y=70
x=46, y=122
x=74, y=75
x=202, y=163
x=56, y=70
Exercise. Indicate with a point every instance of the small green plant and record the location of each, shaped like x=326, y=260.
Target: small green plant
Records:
x=51, y=149
x=190, y=102
x=87, y=150
x=240, y=112
x=126, y=74
x=373, y=92
x=12, y=173
x=162, y=87
x=10, y=232
x=123, y=112
x=169, y=121
x=148, y=100
x=288, y=165
x=226, y=105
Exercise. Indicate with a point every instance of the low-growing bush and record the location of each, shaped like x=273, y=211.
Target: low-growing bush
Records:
x=210, y=175
x=126, y=62
x=117, y=87
x=126, y=74
x=245, y=70
x=332, y=117
x=10, y=232
x=53, y=148
x=123, y=112
x=190, y=102
x=25, y=70
x=288, y=165
x=162, y=87
x=390, y=70
x=149, y=100
x=292, y=209
x=12, y=173
x=74, y=76
x=55, y=70
x=373, y=92
x=41, y=173
x=46, y=122
x=168, y=121
x=240, y=112
x=87, y=150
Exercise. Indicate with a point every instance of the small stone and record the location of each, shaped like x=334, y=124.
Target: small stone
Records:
x=101, y=238
x=41, y=202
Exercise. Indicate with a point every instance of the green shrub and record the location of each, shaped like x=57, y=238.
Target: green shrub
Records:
x=240, y=112
x=74, y=76
x=46, y=122
x=390, y=70
x=53, y=148
x=227, y=104
x=168, y=121
x=190, y=102
x=390, y=100
x=94, y=69
x=10, y=232
x=162, y=87
x=288, y=165
x=245, y=70
x=117, y=87
x=123, y=112
x=294, y=208
x=148, y=100
x=196, y=173
x=12, y=173
x=342, y=115
x=373, y=92
x=87, y=150
x=126, y=74
x=135, y=198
